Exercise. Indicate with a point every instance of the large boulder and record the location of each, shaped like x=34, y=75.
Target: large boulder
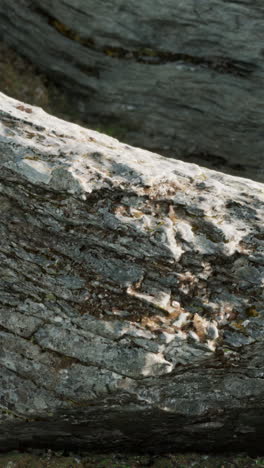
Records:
x=131, y=306
x=181, y=78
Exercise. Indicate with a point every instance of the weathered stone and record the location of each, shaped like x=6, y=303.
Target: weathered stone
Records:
x=131, y=305
x=181, y=78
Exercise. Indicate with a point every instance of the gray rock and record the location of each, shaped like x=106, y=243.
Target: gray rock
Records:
x=131, y=305
x=182, y=78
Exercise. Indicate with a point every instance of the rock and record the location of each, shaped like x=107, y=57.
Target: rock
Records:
x=184, y=78
x=131, y=306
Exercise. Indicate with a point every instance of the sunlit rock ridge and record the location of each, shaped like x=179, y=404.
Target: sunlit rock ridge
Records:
x=131, y=306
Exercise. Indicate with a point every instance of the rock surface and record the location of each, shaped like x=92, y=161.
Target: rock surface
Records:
x=185, y=78
x=131, y=298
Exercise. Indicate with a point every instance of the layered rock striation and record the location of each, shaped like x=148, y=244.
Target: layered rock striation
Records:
x=131, y=305
x=184, y=79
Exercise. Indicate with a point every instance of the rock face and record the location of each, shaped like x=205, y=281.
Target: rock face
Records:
x=185, y=78
x=131, y=295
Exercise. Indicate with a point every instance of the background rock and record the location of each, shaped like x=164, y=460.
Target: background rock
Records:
x=182, y=79
x=132, y=295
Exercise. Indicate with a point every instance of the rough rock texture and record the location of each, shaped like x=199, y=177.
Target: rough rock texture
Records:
x=131, y=295
x=185, y=78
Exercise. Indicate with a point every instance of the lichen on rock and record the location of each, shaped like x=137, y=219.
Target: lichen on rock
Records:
x=128, y=281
